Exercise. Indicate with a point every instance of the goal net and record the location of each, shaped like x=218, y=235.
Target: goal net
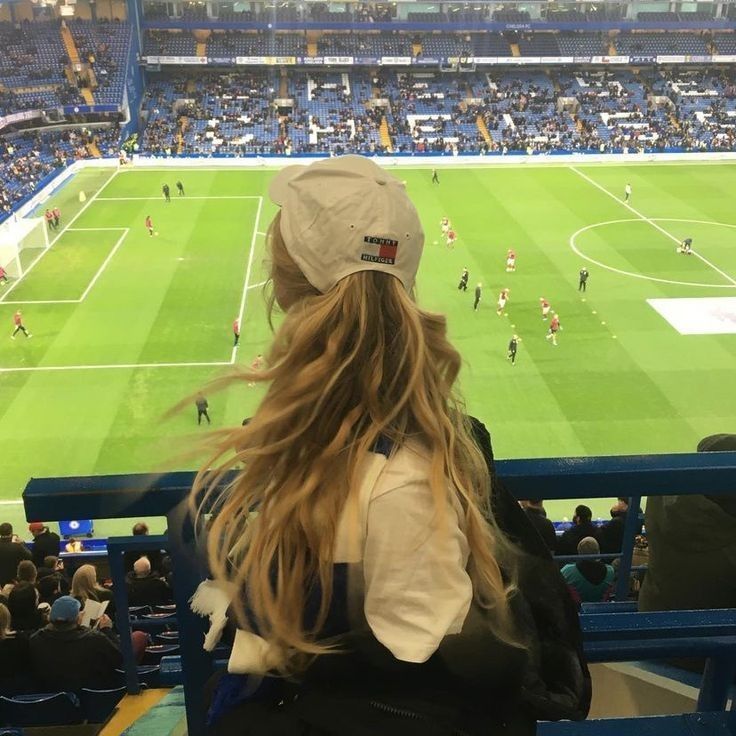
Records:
x=21, y=242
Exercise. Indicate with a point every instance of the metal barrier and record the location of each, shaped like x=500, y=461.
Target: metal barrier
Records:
x=126, y=496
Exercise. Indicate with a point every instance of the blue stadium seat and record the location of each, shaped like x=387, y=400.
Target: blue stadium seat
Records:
x=53, y=709
x=99, y=705
x=154, y=653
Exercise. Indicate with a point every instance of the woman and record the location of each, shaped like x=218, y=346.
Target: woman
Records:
x=85, y=586
x=15, y=673
x=359, y=522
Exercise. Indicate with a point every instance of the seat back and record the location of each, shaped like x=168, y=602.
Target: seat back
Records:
x=55, y=709
x=99, y=705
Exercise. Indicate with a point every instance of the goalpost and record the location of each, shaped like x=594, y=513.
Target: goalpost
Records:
x=21, y=241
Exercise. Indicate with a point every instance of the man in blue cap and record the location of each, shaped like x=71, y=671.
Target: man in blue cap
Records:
x=68, y=656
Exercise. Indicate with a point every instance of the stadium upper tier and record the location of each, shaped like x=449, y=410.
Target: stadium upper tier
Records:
x=52, y=64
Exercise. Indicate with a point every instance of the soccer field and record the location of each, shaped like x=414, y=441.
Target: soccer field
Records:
x=125, y=325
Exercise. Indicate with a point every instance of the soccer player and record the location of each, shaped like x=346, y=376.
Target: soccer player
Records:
x=627, y=192
x=180, y=188
x=544, y=304
x=256, y=365
x=510, y=261
x=503, y=297
x=202, y=407
x=686, y=247
x=56, y=212
x=451, y=238
x=49, y=215
x=583, y=283
x=463, y=285
x=445, y=225
x=149, y=225
x=513, y=346
x=19, y=326
x=167, y=192
x=435, y=178
x=554, y=328
x=236, y=332
x=478, y=290
x=3, y=275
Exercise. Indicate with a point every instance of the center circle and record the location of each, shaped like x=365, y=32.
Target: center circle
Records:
x=632, y=274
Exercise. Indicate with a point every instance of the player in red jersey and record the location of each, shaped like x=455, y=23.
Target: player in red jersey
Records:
x=49, y=215
x=510, y=261
x=544, y=304
x=56, y=212
x=554, y=328
x=503, y=297
x=3, y=275
x=19, y=326
x=149, y=225
x=236, y=332
x=451, y=238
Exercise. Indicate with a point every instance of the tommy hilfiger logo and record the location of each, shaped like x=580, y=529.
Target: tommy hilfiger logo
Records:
x=386, y=250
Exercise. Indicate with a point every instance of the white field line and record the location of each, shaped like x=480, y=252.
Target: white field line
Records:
x=17, y=502
x=255, y=286
x=104, y=264
x=92, y=229
x=63, y=230
x=113, y=366
x=248, y=270
x=652, y=223
x=177, y=199
x=44, y=301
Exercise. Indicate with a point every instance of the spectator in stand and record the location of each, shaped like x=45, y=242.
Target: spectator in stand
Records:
x=27, y=572
x=582, y=527
x=591, y=580
x=145, y=587
x=85, y=585
x=534, y=510
x=54, y=567
x=155, y=557
x=73, y=545
x=23, y=606
x=692, y=547
x=611, y=535
x=15, y=670
x=45, y=542
x=49, y=589
x=68, y=656
x=12, y=552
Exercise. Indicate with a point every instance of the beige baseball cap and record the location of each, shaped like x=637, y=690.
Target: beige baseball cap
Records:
x=344, y=215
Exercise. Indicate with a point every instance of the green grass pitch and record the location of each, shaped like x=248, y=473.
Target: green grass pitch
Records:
x=124, y=325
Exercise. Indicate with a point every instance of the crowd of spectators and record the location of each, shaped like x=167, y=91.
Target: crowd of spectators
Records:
x=47, y=643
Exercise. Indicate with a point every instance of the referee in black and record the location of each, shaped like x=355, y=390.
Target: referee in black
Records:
x=167, y=192
x=435, y=178
x=582, y=285
x=477, y=296
x=202, y=407
x=513, y=346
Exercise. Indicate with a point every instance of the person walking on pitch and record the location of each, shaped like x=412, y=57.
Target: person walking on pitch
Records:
x=19, y=326
x=544, y=305
x=167, y=192
x=627, y=192
x=583, y=285
x=478, y=289
x=435, y=178
x=149, y=225
x=236, y=332
x=180, y=188
x=503, y=297
x=554, y=328
x=256, y=366
x=202, y=407
x=463, y=285
x=56, y=212
x=3, y=275
x=513, y=346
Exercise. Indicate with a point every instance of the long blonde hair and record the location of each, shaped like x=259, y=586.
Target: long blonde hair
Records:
x=85, y=585
x=345, y=368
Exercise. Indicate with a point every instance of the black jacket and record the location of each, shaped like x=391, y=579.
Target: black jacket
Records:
x=567, y=544
x=70, y=658
x=11, y=553
x=15, y=665
x=45, y=544
x=148, y=591
x=544, y=526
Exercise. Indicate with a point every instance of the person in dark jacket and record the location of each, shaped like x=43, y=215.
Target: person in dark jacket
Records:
x=45, y=542
x=583, y=526
x=23, y=606
x=534, y=510
x=15, y=670
x=155, y=556
x=67, y=656
x=145, y=587
x=12, y=552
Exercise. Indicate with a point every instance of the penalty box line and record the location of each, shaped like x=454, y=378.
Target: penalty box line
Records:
x=112, y=366
x=97, y=275
x=651, y=222
x=93, y=198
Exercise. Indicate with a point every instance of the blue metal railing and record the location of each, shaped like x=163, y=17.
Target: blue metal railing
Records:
x=125, y=496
